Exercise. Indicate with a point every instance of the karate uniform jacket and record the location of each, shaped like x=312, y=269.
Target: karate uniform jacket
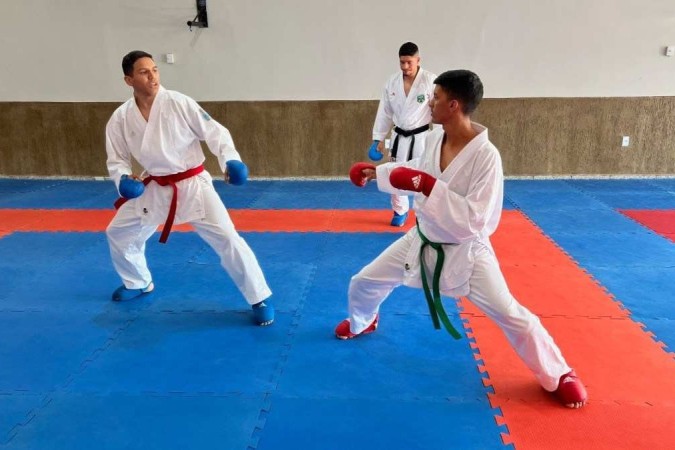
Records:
x=463, y=208
x=406, y=112
x=168, y=143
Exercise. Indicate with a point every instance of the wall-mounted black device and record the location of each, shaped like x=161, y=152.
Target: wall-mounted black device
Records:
x=201, y=20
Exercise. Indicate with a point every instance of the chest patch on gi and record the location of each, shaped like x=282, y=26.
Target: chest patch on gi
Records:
x=420, y=98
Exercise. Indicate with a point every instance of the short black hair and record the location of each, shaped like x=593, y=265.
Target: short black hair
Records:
x=130, y=58
x=464, y=86
x=408, y=49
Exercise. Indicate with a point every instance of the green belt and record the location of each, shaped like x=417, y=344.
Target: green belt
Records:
x=434, y=301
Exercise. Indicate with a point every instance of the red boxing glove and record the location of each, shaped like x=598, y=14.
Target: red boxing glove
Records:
x=356, y=173
x=412, y=180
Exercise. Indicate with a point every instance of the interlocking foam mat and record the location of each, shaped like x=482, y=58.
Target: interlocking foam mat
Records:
x=185, y=368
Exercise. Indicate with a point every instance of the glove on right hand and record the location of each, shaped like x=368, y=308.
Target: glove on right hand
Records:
x=130, y=187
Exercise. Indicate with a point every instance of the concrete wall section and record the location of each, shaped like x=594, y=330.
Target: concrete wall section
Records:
x=536, y=136
x=575, y=136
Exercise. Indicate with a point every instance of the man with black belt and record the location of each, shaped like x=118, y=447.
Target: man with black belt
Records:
x=404, y=106
x=162, y=130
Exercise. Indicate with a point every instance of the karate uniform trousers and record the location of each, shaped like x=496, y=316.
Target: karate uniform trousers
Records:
x=127, y=235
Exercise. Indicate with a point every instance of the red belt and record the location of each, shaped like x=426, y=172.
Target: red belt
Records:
x=167, y=180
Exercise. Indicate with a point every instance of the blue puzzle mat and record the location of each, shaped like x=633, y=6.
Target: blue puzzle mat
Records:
x=184, y=367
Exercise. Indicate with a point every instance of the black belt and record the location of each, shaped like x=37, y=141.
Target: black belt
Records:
x=406, y=133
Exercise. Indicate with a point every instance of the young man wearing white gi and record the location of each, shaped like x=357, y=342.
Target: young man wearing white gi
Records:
x=162, y=130
x=458, y=186
x=404, y=106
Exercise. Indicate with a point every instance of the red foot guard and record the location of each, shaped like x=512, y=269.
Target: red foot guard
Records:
x=571, y=391
x=342, y=331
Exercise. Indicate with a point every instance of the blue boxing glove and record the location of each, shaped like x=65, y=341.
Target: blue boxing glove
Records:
x=373, y=153
x=237, y=172
x=130, y=187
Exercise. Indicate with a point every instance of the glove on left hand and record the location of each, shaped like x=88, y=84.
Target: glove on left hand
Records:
x=412, y=180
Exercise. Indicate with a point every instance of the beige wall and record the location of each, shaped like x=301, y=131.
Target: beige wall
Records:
x=536, y=136
x=70, y=50
x=296, y=81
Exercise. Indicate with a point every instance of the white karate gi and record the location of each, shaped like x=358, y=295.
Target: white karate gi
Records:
x=168, y=143
x=464, y=208
x=406, y=112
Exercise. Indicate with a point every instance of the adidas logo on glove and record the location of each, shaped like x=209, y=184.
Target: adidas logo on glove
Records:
x=412, y=180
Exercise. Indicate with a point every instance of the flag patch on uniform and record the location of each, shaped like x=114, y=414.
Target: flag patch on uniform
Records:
x=205, y=115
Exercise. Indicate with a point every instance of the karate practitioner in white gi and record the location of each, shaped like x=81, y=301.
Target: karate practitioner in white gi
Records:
x=405, y=106
x=162, y=130
x=458, y=186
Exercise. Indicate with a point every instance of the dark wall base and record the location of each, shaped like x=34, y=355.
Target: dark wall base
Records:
x=536, y=136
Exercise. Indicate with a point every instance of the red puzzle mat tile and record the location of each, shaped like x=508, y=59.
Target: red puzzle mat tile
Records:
x=289, y=220
x=515, y=244
x=628, y=375
x=661, y=221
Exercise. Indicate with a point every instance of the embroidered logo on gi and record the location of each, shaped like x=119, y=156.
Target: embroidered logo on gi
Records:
x=416, y=181
x=205, y=115
x=420, y=98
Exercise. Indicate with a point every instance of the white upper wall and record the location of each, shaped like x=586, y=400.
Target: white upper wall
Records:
x=70, y=50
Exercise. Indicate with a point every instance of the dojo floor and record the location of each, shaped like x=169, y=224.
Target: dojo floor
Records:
x=185, y=368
